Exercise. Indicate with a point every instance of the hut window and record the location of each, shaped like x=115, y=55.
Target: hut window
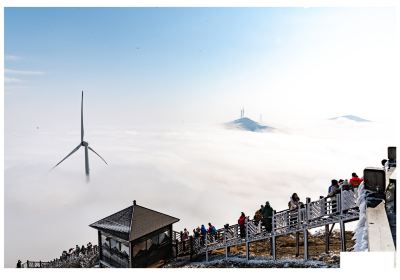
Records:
x=138, y=248
x=154, y=240
x=164, y=237
x=149, y=243
x=115, y=244
x=125, y=249
x=105, y=240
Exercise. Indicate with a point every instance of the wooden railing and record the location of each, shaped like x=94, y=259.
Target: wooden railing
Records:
x=35, y=264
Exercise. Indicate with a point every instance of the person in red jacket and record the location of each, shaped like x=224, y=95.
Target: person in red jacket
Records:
x=242, y=222
x=355, y=181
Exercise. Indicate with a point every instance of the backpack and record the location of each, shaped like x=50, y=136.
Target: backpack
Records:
x=258, y=215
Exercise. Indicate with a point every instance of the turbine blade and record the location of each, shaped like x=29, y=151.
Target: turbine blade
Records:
x=73, y=151
x=97, y=154
x=82, y=132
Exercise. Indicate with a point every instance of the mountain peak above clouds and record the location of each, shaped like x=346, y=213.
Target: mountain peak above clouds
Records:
x=247, y=124
x=351, y=118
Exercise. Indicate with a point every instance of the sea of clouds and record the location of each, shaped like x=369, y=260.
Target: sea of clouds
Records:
x=197, y=173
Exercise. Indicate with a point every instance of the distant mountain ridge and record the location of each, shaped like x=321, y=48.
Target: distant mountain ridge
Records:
x=351, y=117
x=247, y=124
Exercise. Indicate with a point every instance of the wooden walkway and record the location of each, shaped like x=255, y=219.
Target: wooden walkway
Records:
x=380, y=238
x=320, y=213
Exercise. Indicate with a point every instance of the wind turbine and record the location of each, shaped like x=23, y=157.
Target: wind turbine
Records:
x=82, y=144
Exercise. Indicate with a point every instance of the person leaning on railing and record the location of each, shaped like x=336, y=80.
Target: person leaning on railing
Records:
x=355, y=181
x=196, y=232
x=333, y=190
x=212, y=231
x=294, y=204
x=258, y=216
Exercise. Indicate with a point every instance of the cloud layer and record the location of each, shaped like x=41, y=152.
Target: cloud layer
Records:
x=196, y=173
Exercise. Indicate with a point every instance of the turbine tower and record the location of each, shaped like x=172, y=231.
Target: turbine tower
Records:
x=82, y=144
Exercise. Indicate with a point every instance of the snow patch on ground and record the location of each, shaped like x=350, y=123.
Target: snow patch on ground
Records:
x=361, y=230
x=255, y=262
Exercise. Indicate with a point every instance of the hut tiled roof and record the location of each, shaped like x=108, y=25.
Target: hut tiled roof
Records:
x=134, y=222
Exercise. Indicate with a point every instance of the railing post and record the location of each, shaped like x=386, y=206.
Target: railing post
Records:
x=247, y=239
x=225, y=244
x=273, y=243
x=337, y=211
x=305, y=228
x=342, y=236
x=322, y=206
x=306, y=211
x=27, y=264
x=299, y=223
x=40, y=264
x=327, y=238
x=305, y=244
x=297, y=243
x=236, y=231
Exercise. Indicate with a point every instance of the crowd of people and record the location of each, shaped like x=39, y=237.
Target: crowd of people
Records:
x=345, y=185
x=199, y=233
x=78, y=251
x=71, y=254
x=264, y=215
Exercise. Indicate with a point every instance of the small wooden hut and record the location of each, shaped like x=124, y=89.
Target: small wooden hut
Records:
x=135, y=237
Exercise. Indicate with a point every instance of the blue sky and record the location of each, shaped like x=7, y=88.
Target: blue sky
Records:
x=143, y=67
x=177, y=63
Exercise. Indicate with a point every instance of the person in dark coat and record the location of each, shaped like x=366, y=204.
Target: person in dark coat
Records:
x=212, y=231
x=185, y=234
x=19, y=264
x=196, y=232
x=77, y=250
x=294, y=202
x=267, y=216
x=334, y=189
x=83, y=250
x=203, y=231
x=242, y=222
x=89, y=246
